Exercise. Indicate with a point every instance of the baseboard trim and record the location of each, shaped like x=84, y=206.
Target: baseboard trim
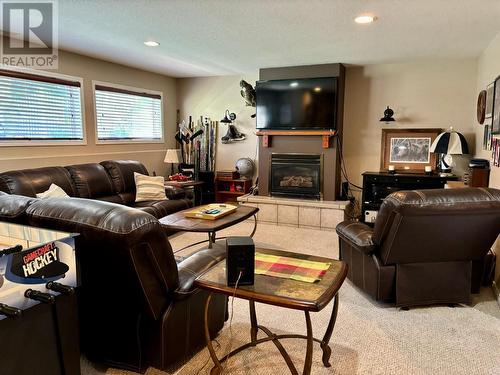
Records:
x=496, y=292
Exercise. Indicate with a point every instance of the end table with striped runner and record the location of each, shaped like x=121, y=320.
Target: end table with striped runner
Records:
x=284, y=292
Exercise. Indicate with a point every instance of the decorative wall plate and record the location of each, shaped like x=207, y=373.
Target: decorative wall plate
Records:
x=481, y=106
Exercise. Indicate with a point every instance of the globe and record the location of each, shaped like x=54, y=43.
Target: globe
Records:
x=245, y=167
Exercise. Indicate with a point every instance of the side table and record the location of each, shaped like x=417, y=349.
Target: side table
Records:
x=284, y=293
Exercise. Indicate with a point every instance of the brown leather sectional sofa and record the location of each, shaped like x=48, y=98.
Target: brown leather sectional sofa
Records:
x=110, y=181
x=427, y=247
x=137, y=305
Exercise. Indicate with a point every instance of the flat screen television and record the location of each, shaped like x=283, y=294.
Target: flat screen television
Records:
x=297, y=104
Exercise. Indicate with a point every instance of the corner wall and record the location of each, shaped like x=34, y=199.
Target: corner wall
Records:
x=423, y=94
x=151, y=154
x=210, y=97
x=488, y=70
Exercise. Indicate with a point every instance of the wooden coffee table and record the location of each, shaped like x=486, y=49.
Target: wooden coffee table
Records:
x=179, y=222
x=285, y=293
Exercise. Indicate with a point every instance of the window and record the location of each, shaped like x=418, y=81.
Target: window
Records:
x=37, y=108
x=126, y=115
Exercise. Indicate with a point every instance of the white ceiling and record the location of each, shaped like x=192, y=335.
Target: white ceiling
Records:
x=222, y=37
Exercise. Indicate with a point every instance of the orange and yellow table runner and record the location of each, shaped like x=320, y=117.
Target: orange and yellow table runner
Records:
x=289, y=268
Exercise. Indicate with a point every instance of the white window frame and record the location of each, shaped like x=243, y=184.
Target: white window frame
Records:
x=52, y=142
x=133, y=89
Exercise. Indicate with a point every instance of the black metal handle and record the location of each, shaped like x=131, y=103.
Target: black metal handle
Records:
x=60, y=288
x=39, y=296
x=11, y=312
x=11, y=250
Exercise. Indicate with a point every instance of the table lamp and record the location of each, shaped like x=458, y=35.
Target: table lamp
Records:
x=173, y=156
x=449, y=143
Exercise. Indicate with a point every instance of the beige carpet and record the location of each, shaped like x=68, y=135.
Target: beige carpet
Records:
x=369, y=338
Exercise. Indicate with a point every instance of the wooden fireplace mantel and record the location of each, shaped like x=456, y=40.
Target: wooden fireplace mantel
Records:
x=324, y=134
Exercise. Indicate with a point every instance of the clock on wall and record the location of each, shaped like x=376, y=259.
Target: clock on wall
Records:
x=481, y=106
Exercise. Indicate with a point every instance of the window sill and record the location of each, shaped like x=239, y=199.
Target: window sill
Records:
x=125, y=141
x=38, y=143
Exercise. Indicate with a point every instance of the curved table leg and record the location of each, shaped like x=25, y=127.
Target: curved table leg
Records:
x=309, y=350
x=217, y=369
x=327, y=351
x=254, y=225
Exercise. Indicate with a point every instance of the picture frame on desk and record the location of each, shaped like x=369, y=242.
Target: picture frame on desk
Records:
x=408, y=150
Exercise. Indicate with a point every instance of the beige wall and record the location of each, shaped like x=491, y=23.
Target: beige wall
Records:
x=211, y=96
x=92, y=69
x=423, y=94
x=488, y=70
x=426, y=94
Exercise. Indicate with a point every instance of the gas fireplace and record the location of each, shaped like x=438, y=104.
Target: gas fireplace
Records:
x=296, y=175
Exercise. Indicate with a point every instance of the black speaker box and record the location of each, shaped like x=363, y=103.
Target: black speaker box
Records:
x=240, y=257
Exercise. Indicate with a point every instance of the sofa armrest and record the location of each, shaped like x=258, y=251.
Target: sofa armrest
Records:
x=173, y=192
x=357, y=234
x=194, y=265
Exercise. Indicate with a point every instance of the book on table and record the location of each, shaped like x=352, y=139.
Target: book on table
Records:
x=211, y=211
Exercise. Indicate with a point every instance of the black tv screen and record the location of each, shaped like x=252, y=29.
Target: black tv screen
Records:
x=297, y=103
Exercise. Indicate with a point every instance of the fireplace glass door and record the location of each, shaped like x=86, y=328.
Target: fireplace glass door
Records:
x=296, y=175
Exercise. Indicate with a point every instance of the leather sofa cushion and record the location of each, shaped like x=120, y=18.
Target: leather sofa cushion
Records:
x=91, y=180
x=358, y=234
x=29, y=182
x=13, y=207
x=163, y=207
x=122, y=173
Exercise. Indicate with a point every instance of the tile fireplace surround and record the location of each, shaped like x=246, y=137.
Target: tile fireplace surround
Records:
x=324, y=215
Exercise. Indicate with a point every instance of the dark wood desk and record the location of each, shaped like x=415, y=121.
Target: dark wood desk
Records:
x=378, y=185
x=286, y=293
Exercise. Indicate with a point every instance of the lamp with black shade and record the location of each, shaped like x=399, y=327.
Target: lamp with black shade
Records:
x=449, y=143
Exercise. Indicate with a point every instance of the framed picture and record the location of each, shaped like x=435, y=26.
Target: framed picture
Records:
x=495, y=124
x=490, y=91
x=408, y=150
x=487, y=137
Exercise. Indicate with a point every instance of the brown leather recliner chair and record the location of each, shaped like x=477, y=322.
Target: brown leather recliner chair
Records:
x=427, y=246
x=137, y=307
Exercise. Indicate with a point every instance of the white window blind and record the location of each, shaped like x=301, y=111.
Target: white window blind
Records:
x=39, y=108
x=127, y=115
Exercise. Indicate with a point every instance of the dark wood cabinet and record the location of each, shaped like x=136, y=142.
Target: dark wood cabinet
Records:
x=378, y=185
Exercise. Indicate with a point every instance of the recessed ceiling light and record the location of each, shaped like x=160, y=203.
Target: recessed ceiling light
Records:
x=365, y=18
x=317, y=89
x=151, y=43
x=294, y=84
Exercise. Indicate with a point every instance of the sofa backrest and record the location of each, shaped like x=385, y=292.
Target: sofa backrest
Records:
x=122, y=176
x=111, y=180
x=93, y=182
x=29, y=182
x=437, y=225
x=13, y=207
x=124, y=255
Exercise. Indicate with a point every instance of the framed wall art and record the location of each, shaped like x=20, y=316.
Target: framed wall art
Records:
x=490, y=91
x=495, y=124
x=487, y=137
x=408, y=150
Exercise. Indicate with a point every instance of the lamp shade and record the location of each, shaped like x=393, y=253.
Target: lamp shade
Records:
x=173, y=156
x=450, y=142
